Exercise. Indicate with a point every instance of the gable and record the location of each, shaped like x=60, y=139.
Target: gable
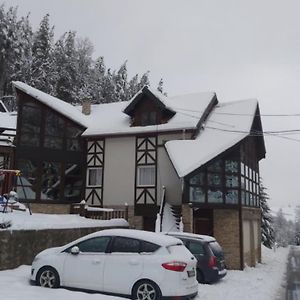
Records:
x=147, y=108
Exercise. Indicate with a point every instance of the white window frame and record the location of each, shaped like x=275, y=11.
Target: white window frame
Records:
x=138, y=183
x=88, y=176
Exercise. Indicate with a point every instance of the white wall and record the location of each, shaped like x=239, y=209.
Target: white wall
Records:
x=119, y=171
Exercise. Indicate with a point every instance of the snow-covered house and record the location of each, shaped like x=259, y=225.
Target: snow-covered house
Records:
x=186, y=156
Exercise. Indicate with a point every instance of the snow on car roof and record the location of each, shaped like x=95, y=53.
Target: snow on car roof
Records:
x=148, y=236
x=228, y=124
x=206, y=238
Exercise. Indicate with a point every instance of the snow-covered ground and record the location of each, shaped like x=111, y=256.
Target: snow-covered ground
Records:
x=23, y=221
x=260, y=283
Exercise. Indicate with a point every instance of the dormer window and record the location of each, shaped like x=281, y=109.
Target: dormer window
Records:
x=148, y=108
x=148, y=118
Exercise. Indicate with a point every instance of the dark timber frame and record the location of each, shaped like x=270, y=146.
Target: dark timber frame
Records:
x=145, y=197
x=95, y=159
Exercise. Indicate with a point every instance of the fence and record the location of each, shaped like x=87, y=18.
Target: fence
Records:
x=98, y=212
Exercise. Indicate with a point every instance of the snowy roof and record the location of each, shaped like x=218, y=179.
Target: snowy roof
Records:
x=66, y=109
x=228, y=124
x=109, y=119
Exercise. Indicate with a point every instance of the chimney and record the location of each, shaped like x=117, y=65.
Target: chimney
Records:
x=86, y=107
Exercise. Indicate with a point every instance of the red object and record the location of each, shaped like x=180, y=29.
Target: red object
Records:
x=176, y=266
x=212, y=262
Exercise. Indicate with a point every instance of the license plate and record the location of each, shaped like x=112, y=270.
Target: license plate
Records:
x=191, y=273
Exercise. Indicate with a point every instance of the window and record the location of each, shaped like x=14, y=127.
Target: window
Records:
x=197, y=194
x=94, y=177
x=148, y=247
x=148, y=118
x=98, y=244
x=196, y=248
x=146, y=175
x=127, y=245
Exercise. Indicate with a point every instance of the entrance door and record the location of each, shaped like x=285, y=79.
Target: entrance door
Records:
x=203, y=221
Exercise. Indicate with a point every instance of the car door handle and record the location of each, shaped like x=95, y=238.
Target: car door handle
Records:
x=96, y=261
x=133, y=262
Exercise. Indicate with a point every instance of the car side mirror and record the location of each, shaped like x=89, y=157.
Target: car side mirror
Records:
x=75, y=250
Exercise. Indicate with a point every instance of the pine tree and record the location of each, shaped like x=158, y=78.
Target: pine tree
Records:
x=160, y=86
x=121, y=84
x=42, y=53
x=267, y=230
x=281, y=229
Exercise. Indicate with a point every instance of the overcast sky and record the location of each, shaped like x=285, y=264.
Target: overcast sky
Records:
x=238, y=48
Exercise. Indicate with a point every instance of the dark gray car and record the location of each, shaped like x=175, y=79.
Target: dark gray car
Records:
x=210, y=256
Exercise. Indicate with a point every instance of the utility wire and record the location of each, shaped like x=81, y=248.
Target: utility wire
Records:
x=238, y=114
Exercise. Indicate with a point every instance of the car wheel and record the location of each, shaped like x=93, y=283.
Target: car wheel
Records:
x=200, y=276
x=48, y=277
x=146, y=290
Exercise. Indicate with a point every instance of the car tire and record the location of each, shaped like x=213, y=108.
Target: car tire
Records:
x=200, y=276
x=48, y=277
x=147, y=290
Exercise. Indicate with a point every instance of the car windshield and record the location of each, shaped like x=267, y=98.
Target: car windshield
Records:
x=216, y=249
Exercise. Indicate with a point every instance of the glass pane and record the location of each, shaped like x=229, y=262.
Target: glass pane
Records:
x=242, y=169
x=243, y=195
x=94, y=245
x=73, y=145
x=231, y=197
x=51, y=180
x=146, y=175
x=73, y=182
x=214, y=179
x=243, y=183
x=95, y=177
x=31, y=119
x=197, y=194
x=127, y=245
x=231, y=166
x=54, y=125
x=232, y=181
x=215, y=196
x=28, y=179
x=72, y=132
x=29, y=139
x=215, y=166
x=247, y=199
x=53, y=142
x=196, y=248
x=197, y=179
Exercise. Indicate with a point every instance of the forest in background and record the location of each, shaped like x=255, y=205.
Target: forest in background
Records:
x=64, y=68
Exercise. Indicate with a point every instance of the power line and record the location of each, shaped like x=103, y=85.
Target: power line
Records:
x=239, y=114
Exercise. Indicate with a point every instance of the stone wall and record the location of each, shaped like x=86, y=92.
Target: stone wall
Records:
x=227, y=233
x=187, y=218
x=19, y=247
x=252, y=254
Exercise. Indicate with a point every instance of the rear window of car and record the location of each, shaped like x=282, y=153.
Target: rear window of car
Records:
x=216, y=248
x=196, y=248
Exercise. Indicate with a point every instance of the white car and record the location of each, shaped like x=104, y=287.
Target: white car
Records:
x=140, y=264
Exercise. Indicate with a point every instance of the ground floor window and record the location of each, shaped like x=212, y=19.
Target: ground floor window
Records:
x=94, y=177
x=146, y=175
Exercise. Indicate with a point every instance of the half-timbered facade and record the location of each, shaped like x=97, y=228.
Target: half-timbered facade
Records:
x=179, y=156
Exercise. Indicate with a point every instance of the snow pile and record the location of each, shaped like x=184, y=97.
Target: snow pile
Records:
x=259, y=283
x=14, y=285
x=25, y=221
